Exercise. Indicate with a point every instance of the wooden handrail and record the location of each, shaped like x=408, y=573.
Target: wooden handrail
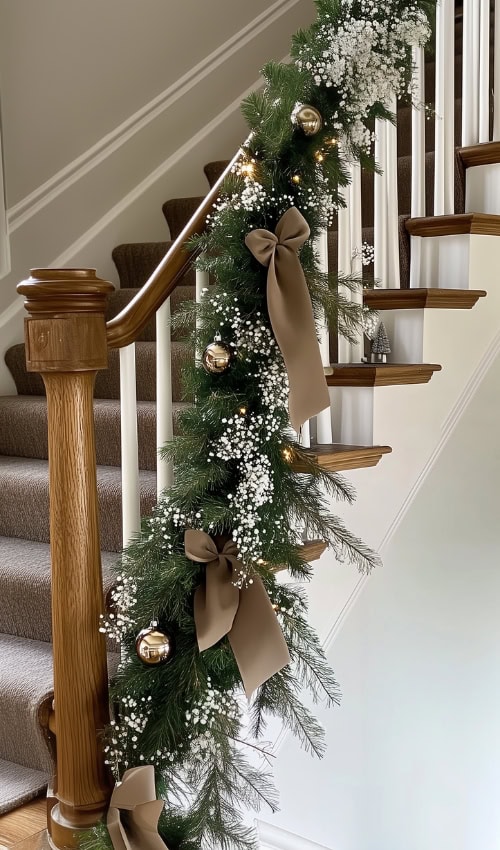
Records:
x=127, y=325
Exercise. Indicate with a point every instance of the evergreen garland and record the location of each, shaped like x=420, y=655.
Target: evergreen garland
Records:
x=232, y=470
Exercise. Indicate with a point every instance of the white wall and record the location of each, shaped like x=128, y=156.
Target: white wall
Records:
x=111, y=107
x=413, y=755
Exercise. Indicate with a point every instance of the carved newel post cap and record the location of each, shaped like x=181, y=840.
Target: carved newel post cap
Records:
x=57, y=291
x=65, y=330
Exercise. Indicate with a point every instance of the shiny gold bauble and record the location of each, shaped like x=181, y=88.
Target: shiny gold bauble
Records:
x=309, y=120
x=154, y=647
x=217, y=357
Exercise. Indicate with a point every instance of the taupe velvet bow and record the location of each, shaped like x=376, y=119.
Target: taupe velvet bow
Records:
x=245, y=615
x=291, y=313
x=135, y=796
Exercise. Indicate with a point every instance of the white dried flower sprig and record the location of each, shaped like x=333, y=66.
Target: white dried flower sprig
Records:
x=365, y=59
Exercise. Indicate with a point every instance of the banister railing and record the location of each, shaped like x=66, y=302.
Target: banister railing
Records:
x=67, y=342
x=124, y=328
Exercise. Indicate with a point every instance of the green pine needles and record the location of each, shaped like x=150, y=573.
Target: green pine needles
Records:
x=232, y=470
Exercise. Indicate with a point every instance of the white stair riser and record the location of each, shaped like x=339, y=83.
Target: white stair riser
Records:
x=482, y=192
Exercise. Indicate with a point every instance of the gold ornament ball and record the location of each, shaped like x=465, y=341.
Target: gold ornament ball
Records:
x=309, y=120
x=154, y=647
x=217, y=357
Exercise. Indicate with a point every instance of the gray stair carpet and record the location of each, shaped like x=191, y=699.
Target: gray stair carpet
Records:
x=23, y=429
x=26, y=689
x=25, y=496
x=19, y=785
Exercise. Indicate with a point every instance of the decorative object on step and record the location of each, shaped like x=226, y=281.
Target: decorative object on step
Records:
x=380, y=345
x=153, y=646
x=231, y=479
x=135, y=796
x=217, y=356
x=231, y=603
x=291, y=313
x=308, y=118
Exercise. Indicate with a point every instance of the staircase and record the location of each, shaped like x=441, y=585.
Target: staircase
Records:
x=26, y=740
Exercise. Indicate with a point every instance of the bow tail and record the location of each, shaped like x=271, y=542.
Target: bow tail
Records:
x=256, y=638
x=291, y=314
x=215, y=604
x=135, y=796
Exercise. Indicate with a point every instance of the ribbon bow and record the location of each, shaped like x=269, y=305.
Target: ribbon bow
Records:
x=136, y=797
x=244, y=614
x=291, y=313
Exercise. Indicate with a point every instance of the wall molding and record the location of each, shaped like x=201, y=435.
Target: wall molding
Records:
x=149, y=181
x=110, y=143
x=273, y=838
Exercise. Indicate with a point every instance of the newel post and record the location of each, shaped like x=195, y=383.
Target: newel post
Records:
x=66, y=343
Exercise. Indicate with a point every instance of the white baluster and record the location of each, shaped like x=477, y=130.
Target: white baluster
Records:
x=391, y=135
x=323, y=419
x=131, y=507
x=202, y=281
x=444, y=157
x=380, y=209
x=356, y=352
x=470, y=72
x=304, y=437
x=417, y=158
x=164, y=405
x=344, y=262
x=496, y=75
x=484, y=71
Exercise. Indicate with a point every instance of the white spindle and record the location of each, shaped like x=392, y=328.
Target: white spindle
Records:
x=444, y=157
x=470, y=72
x=344, y=263
x=164, y=405
x=304, y=437
x=356, y=352
x=131, y=508
x=418, y=135
x=417, y=158
x=380, y=210
x=484, y=71
x=323, y=419
x=392, y=200
x=202, y=281
x=496, y=75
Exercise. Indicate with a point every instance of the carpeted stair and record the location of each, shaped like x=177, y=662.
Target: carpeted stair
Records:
x=25, y=628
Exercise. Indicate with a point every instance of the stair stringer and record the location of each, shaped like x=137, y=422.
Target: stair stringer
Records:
x=417, y=421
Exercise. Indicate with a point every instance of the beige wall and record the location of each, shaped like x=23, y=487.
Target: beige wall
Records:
x=111, y=107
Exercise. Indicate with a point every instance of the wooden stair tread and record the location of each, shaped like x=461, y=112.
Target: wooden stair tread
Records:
x=482, y=224
x=312, y=550
x=412, y=299
x=486, y=153
x=335, y=457
x=380, y=374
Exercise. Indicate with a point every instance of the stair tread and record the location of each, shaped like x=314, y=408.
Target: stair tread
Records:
x=338, y=456
x=380, y=374
x=19, y=785
x=431, y=297
x=25, y=485
x=25, y=671
x=25, y=579
x=484, y=153
x=484, y=224
x=23, y=428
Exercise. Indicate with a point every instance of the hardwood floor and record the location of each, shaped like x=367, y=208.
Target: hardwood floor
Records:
x=24, y=825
